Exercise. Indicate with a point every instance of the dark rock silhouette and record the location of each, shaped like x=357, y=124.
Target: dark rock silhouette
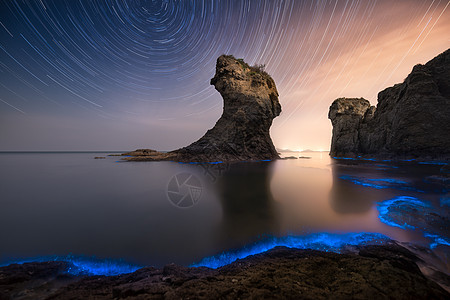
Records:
x=346, y=116
x=412, y=119
x=250, y=103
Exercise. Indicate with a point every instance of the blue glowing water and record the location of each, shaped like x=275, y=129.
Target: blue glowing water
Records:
x=346, y=158
x=412, y=213
x=404, y=202
x=359, y=158
x=199, y=163
x=320, y=241
x=445, y=200
x=438, y=163
x=85, y=265
x=437, y=240
x=381, y=183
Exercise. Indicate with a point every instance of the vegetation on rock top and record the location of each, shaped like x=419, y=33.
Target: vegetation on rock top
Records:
x=255, y=69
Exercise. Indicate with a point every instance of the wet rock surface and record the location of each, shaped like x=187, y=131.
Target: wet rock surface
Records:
x=33, y=280
x=250, y=103
x=412, y=119
x=376, y=272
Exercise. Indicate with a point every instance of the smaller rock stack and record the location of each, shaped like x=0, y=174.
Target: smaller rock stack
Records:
x=412, y=119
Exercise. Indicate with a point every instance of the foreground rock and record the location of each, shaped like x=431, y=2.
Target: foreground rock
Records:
x=375, y=272
x=412, y=119
x=250, y=103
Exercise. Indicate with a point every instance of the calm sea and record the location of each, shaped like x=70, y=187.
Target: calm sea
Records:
x=155, y=213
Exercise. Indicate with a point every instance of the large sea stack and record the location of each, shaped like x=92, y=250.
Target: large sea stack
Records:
x=250, y=103
x=411, y=119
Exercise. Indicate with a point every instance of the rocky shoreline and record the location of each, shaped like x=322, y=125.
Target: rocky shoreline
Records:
x=387, y=271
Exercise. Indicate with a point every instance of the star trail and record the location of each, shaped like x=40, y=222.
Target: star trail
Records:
x=117, y=75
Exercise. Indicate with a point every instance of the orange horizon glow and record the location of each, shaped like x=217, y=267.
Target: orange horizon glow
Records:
x=400, y=37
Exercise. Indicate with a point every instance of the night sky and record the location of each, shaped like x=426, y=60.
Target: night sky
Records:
x=121, y=75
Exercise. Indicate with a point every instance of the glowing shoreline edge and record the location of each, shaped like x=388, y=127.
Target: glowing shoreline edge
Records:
x=359, y=158
x=81, y=265
x=217, y=162
x=327, y=242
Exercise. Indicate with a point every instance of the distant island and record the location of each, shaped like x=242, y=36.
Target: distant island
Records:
x=411, y=120
x=250, y=103
x=289, y=150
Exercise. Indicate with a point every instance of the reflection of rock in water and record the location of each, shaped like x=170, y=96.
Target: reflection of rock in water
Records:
x=348, y=197
x=246, y=201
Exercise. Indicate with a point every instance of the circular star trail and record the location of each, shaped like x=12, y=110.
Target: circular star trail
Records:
x=153, y=59
x=142, y=50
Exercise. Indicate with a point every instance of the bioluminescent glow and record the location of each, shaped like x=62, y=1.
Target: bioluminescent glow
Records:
x=357, y=158
x=345, y=158
x=216, y=162
x=200, y=163
x=412, y=213
x=380, y=183
x=328, y=242
x=84, y=265
x=437, y=240
x=389, y=180
x=438, y=163
x=405, y=203
x=100, y=267
x=386, y=166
